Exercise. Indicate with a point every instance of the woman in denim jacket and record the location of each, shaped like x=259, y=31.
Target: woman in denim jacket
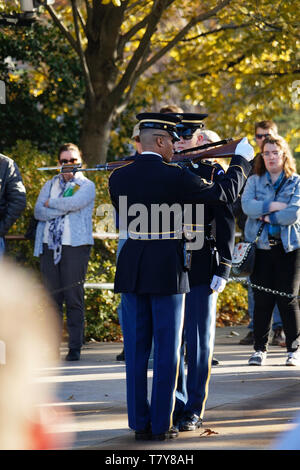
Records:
x=277, y=263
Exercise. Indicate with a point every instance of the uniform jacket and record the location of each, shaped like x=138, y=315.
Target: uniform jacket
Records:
x=216, y=255
x=79, y=207
x=258, y=194
x=12, y=194
x=156, y=266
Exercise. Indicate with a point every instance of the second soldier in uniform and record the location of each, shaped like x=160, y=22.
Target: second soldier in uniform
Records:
x=209, y=273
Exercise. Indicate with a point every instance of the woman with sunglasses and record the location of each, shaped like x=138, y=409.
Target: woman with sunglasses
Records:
x=63, y=241
x=272, y=195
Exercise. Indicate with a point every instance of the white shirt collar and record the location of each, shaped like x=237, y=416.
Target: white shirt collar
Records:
x=152, y=153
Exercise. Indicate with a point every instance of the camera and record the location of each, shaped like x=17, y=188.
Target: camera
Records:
x=32, y=5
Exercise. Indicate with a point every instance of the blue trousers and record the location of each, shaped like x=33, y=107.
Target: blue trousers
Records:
x=145, y=317
x=199, y=335
x=120, y=246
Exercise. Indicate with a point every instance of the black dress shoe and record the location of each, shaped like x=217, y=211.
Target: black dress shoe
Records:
x=214, y=361
x=171, y=434
x=190, y=423
x=144, y=435
x=73, y=355
x=121, y=356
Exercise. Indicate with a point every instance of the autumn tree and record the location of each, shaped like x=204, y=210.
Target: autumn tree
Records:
x=242, y=68
x=117, y=42
x=237, y=60
x=44, y=88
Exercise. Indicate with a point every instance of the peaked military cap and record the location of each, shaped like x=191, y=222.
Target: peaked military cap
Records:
x=192, y=119
x=165, y=122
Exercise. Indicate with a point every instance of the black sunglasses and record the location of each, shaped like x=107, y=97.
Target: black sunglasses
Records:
x=260, y=136
x=185, y=132
x=72, y=160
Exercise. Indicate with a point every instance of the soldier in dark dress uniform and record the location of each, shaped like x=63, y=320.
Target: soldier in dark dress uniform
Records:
x=151, y=272
x=209, y=273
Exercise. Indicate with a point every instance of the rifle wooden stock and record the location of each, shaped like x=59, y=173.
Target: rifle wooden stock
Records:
x=220, y=151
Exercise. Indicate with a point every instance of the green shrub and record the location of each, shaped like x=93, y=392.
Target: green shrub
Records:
x=232, y=305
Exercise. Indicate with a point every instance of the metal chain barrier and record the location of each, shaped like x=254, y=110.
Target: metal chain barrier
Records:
x=109, y=286
x=92, y=285
x=266, y=289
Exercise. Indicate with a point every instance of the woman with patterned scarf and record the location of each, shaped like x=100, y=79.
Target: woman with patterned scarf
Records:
x=63, y=242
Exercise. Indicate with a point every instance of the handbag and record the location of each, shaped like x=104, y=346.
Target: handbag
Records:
x=243, y=257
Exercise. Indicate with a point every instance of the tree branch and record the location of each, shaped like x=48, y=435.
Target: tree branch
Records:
x=85, y=68
x=127, y=36
x=154, y=17
x=182, y=33
x=62, y=27
x=218, y=30
x=278, y=74
x=87, y=5
x=81, y=19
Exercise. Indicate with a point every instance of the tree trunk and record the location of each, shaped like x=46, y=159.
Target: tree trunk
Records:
x=95, y=133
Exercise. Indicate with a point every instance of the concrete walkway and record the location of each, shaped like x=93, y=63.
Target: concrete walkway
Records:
x=247, y=409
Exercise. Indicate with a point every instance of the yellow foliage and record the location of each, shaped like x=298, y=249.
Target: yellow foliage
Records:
x=117, y=3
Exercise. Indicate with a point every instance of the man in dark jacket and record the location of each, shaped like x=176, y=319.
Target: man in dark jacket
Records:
x=12, y=196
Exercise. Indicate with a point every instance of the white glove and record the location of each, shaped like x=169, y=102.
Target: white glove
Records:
x=245, y=149
x=218, y=284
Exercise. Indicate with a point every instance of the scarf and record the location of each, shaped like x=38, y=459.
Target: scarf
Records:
x=56, y=228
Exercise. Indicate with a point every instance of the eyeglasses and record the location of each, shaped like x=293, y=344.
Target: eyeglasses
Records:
x=276, y=153
x=72, y=160
x=260, y=136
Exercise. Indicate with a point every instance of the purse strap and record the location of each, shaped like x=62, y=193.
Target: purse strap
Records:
x=259, y=231
x=263, y=223
x=280, y=186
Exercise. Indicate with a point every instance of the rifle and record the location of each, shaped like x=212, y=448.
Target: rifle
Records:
x=221, y=149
